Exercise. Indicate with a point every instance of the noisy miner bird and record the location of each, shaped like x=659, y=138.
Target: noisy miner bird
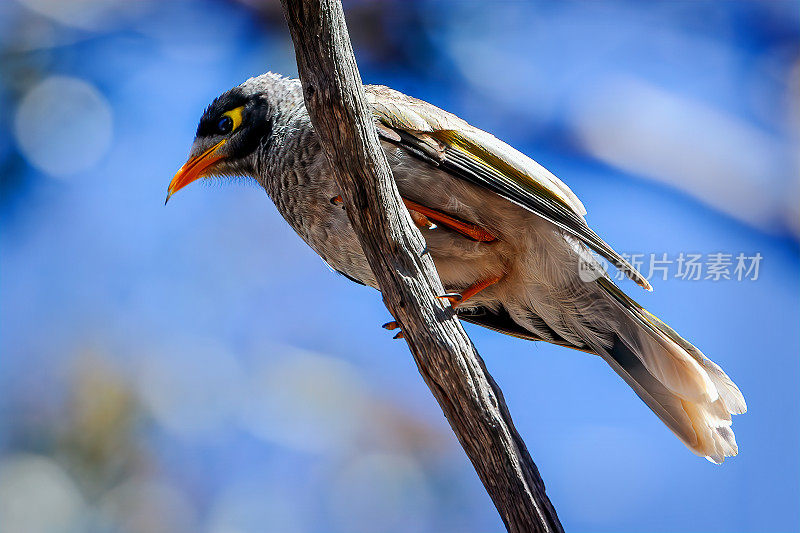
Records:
x=508, y=238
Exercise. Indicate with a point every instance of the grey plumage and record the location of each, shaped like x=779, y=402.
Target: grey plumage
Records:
x=542, y=241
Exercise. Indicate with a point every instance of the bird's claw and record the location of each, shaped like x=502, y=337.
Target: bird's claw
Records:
x=394, y=325
x=421, y=220
x=453, y=297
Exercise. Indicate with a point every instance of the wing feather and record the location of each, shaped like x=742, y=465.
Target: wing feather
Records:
x=444, y=140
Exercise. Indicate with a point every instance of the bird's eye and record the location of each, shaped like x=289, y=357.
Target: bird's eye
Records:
x=225, y=125
x=230, y=120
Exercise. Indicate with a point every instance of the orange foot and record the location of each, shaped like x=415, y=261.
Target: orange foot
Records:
x=457, y=299
x=393, y=325
x=421, y=220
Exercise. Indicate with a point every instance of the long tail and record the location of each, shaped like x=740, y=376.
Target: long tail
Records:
x=688, y=391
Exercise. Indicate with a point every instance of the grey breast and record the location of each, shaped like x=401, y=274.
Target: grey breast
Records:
x=301, y=185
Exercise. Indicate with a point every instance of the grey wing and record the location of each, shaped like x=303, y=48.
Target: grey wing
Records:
x=446, y=141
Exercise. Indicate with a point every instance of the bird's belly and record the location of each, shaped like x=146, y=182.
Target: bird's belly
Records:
x=326, y=229
x=324, y=226
x=304, y=199
x=459, y=261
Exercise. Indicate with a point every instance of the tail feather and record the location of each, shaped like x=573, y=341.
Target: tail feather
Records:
x=688, y=391
x=666, y=361
x=727, y=389
x=652, y=392
x=703, y=427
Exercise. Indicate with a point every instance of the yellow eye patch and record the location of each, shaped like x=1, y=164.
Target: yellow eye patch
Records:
x=235, y=115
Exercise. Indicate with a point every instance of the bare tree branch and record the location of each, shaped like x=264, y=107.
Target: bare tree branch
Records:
x=445, y=356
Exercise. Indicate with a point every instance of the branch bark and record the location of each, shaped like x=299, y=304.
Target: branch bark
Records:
x=445, y=356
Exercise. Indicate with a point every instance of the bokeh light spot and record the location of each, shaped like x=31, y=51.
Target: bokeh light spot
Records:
x=63, y=126
x=37, y=496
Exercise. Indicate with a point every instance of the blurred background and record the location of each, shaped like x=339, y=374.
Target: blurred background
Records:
x=197, y=368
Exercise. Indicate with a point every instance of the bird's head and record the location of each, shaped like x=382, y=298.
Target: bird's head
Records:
x=231, y=131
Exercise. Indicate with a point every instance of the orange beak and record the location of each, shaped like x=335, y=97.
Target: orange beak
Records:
x=194, y=169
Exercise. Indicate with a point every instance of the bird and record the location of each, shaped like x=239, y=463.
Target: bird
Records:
x=509, y=239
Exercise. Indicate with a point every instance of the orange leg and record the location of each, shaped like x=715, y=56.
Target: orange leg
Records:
x=474, y=232
x=422, y=217
x=458, y=299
